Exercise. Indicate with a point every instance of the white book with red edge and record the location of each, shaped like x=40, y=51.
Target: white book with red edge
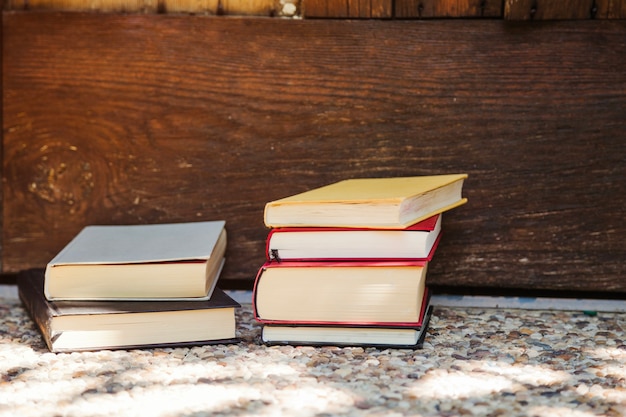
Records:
x=417, y=241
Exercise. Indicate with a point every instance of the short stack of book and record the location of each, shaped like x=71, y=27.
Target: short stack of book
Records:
x=133, y=286
x=346, y=263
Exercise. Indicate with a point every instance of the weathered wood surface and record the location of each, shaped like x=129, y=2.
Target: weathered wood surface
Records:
x=142, y=119
x=212, y=7
x=550, y=10
x=610, y=9
x=509, y=9
x=564, y=9
x=448, y=8
x=353, y=9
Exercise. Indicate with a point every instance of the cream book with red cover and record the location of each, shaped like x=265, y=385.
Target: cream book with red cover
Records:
x=393, y=203
x=351, y=293
x=417, y=241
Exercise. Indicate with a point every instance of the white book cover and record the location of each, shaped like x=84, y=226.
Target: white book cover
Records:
x=143, y=262
x=122, y=244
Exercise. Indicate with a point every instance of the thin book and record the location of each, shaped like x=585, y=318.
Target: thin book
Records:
x=380, y=337
x=417, y=241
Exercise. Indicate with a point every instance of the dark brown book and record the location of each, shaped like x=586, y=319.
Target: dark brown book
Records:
x=95, y=325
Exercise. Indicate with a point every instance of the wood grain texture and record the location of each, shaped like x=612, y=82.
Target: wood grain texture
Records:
x=314, y=8
x=401, y=8
x=149, y=119
x=610, y=9
x=136, y=6
x=355, y=9
x=548, y=10
x=448, y=8
x=212, y=7
x=1, y=140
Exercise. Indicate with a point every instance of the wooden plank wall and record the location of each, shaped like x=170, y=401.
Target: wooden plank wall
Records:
x=353, y=9
x=138, y=119
x=2, y=277
x=210, y=7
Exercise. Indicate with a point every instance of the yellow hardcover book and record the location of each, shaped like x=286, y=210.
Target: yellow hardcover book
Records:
x=393, y=203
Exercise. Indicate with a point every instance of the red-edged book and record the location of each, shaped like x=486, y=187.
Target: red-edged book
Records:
x=348, y=293
x=417, y=242
x=379, y=336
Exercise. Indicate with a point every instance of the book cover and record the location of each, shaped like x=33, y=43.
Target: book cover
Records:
x=368, y=202
x=150, y=261
x=377, y=337
x=368, y=293
x=95, y=325
x=417, y=241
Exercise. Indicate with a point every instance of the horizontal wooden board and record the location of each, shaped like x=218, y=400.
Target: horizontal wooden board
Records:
x=548, y=10
x=212, y=7
x=448, y=8
x=564, y=9
x=428, y=9
x=610, y=9
x=353, y=9
x=142, y=119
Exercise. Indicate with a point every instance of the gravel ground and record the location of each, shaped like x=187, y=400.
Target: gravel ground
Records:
x=476, y=361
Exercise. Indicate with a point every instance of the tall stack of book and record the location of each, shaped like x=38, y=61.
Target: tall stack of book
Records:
x=346, y=263
x=133, y=286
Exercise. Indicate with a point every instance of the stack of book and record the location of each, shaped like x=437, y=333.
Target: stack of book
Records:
x=346, y=263
x=133, y=286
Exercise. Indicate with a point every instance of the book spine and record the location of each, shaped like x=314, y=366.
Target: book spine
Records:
x=255, y=312
x=37, y=307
